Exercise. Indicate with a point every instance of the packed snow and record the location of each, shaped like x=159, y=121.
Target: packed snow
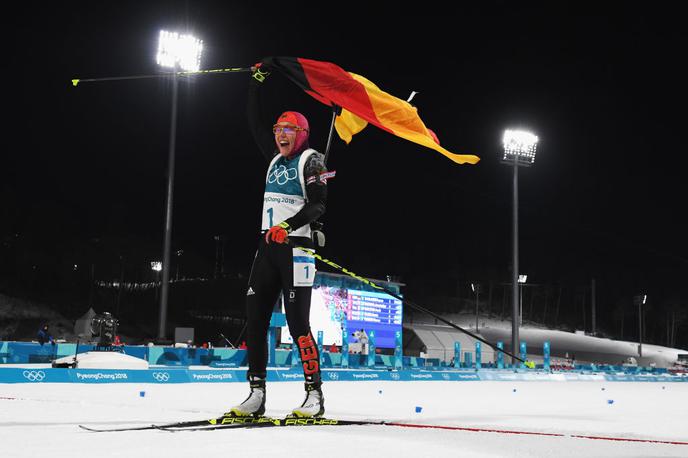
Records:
x=42, y=419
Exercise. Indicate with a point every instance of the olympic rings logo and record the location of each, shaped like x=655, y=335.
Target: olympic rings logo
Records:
x=281, y=175
x=34, y=376
x=394, y=376
x=333, y=375
x=161, y=376
x=446, y=376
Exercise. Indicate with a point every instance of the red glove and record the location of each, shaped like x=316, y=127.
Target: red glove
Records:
x=278, y=233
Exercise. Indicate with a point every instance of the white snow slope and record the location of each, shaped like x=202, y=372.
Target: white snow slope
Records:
x=41, y=420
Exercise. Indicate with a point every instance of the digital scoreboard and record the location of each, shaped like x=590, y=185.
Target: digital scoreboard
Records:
x=338, y=302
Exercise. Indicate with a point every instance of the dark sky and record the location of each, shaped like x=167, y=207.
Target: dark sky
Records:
x=603, y=86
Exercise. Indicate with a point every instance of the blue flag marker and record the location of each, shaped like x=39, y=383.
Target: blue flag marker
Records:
x=545, y=355
x=320, y=347
x=478, y=355
x=524, y=354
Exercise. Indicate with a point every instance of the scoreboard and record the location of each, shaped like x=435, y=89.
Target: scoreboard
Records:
x=335, y=304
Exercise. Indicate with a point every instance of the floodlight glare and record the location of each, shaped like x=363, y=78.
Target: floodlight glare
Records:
x=519, y=144
x=183, y=50
x=156, y=266
x=522, y=278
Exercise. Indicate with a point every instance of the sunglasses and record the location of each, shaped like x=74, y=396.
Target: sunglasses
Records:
x=286, y=129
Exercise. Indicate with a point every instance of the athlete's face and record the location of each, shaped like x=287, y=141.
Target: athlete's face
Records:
x=285, y=137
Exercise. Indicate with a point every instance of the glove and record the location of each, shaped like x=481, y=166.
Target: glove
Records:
x=260, y=72
x=278, y=233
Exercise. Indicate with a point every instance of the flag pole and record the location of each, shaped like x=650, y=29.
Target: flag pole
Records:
x=317, y=226
x=336, y=110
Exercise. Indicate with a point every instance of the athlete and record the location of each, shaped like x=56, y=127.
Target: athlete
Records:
x=295, y=196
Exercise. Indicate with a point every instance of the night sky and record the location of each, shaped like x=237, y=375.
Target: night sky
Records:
x=604, y=88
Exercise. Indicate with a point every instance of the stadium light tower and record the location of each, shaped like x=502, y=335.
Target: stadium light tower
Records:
x=519, y=151
x=522, y=279
x=640, y=300
x=178, y=52
x=475, y=287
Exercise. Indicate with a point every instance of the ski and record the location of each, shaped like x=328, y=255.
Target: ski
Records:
x=268, y=422
x=235, y=422
x=225, y=419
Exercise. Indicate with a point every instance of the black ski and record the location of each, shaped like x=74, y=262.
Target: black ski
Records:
x=267, y=422
x=182, y=424
x=226, y=422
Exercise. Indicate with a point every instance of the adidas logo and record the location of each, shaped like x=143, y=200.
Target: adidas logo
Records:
x=250, y=291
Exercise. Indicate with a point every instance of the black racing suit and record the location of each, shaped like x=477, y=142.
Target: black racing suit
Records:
x=272, y=272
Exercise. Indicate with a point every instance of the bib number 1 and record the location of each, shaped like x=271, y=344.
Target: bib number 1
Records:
x=304, y=268
x=270, y=211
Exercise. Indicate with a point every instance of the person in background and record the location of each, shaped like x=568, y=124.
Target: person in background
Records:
x=44, y=335
x=362, y=336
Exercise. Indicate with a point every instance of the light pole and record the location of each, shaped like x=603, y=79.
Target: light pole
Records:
x=476, y=289
x=156, y=266
x=521, y=281
x=177, y=52
x=519, y=150
x=121, y=282
x=640, y=300
x=179, y=254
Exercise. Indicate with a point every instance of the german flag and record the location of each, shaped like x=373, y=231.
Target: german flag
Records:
x=362, y=102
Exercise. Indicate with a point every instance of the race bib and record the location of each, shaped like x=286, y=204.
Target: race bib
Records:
x=304, y=268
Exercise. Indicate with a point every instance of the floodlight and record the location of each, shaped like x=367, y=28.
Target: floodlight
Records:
x=519, y=151
x=475, y=287
x=640, y=300
x=156, y=266
x=182, y=50
x=519, y=145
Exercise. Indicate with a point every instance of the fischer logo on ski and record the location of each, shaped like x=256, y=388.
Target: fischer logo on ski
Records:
x=242, y=420
x=308, y=421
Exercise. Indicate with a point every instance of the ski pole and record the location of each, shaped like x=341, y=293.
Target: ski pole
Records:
x=76, y=352
x=413, y=305
x=215, y=71
x=226, y=339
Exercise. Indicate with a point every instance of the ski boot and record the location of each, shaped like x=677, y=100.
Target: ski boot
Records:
x=313, y=405
x=254, y=405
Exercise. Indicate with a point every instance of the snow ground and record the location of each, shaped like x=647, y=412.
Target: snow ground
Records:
x=42, y=419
